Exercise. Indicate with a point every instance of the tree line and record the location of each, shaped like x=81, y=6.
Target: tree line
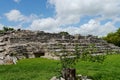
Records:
x=5, y=29
x=113, y=37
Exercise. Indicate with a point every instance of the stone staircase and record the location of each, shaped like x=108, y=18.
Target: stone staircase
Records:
x=28, y=44
x=100, y=46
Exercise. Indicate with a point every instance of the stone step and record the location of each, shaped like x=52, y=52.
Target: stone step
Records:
x=2, y=44
x=2, y=50
x=1, y=39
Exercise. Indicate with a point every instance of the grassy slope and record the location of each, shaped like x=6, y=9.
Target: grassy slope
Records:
x=109, y=70
x=44, y=69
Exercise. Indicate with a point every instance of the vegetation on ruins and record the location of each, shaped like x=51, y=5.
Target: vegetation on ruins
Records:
x=68, y=60
x=63, y=33
x=44, y=69
x=5, y=29
x=113, y=37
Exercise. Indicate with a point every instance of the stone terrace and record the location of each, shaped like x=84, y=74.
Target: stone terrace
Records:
x=28, y=44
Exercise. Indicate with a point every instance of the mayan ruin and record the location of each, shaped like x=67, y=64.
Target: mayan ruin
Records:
x=31, y=44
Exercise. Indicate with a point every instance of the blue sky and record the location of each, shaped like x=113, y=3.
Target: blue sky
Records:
x=96, y=17
x=26, y=7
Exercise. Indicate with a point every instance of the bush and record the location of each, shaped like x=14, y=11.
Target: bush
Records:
x=113, y=38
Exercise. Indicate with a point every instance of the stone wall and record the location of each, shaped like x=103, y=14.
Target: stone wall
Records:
x=28, y=44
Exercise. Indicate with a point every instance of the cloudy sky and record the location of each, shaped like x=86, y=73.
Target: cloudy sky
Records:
x=96, y=17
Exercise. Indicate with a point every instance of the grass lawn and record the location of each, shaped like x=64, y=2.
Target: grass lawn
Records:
x=108, y=70
x=44, y=69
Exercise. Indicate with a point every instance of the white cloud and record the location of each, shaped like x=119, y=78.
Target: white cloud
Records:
x=17, y=1
x=46, y=24
x=95, y=28
x=71, y=10
x=92, y=27
x=15, y=15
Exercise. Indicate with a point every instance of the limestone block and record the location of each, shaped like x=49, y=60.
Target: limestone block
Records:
x=1, y=49
x=2, y=44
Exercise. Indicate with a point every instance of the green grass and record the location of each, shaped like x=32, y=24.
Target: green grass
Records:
x=108, y=70
x=44, y=69
x=29, y=69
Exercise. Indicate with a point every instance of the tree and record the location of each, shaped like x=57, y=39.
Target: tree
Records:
x=7, y=29
x=64, y=33
x=68, y=59
x=113, y=38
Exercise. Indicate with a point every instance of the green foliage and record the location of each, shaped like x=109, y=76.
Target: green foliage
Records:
x=89, y=55
x=113, y=38
x=64, y=33
x=1, y=31
x=7, y=29
x=68, y=60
